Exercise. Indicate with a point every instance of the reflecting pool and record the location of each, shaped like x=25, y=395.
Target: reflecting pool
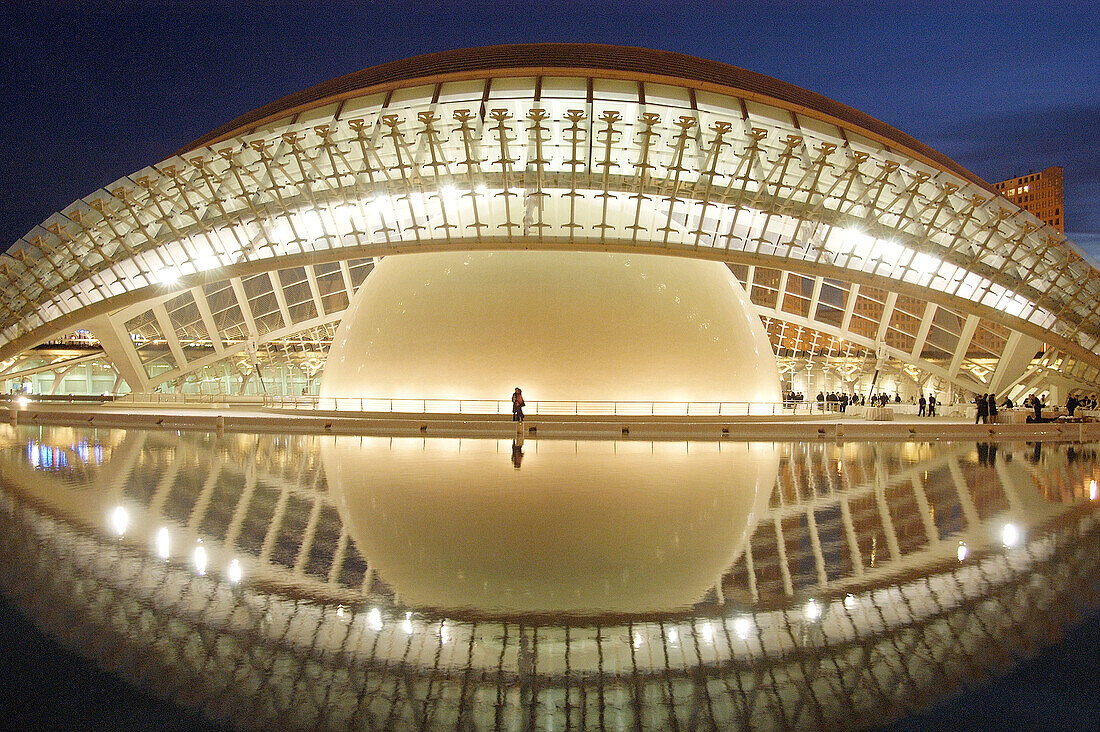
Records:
x=428, y=583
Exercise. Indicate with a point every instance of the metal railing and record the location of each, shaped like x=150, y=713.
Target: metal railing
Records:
x=25, y=399
x=550, y=408
x=157, y=398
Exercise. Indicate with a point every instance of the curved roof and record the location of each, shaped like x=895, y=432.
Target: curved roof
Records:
x=568, y=59
x=857, y=243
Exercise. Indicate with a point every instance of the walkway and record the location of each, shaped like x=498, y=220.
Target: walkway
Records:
x=215, y=417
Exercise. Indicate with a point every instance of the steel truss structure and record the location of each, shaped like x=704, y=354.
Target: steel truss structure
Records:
x=859, y=247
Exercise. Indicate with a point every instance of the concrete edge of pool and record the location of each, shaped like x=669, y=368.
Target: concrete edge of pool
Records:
x=259, y=419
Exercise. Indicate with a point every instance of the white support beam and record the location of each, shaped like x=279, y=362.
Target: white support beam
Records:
x=202, y=504
x=781, y=551
x=338, y=556
x=750, y=570
x=129, y=313
x=240, y=511
x=887, y=314
x=165, y=325
x=922, y=332
x=116, y=343
x=314, y=290
x=1008, y=486
x=967, y=335
x=207, y=360
x=160, y=493
x=246, y=309
x=345, y=272
x=280, y=297
x=208, y=319
x=925, y=511
x=59, y=377
x=850, y=536
x=888, y=529
x=275, y=525
x=1018, y=353
x=782, y=293
x=867, y=343
x=849, y=307
x=53, y=366
x=815, y=296
x=306, y=546
x=815, y=546
x=123, y=460
x=966, y=501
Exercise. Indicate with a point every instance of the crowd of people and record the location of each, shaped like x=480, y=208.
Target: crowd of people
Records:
x=987, y=408
x=986, y=404
x=838, y=402
x=1082, y=402
x=789, y=397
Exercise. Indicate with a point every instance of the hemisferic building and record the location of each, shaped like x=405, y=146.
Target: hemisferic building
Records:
x=595, y=223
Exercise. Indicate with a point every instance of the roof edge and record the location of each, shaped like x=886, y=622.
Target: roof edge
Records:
x=545, y=59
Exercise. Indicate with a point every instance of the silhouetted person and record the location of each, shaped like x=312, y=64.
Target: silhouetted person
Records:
x=992, y=399
x=517, y=405
x=1038, y=407
x=931, y=405
x=982, y=415
x=923, y=406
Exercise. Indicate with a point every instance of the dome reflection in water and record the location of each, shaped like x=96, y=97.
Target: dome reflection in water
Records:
x=581, y=528
x=304, y=581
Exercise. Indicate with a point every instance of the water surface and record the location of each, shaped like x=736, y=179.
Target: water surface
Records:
x=442, y=584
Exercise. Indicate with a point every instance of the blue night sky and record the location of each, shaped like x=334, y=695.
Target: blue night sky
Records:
x=94, y=91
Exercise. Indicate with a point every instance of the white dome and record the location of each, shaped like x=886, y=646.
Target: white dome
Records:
x=560, y=325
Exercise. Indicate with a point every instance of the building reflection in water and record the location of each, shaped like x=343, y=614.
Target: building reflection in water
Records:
x=387, y=582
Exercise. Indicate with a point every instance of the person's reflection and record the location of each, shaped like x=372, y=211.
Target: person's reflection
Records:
x=987, y=453
x=517, y=451
x=1037, y=452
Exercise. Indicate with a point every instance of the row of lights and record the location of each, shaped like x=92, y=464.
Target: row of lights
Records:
x=120, y=521
x=310, y=224
x=1011, y=536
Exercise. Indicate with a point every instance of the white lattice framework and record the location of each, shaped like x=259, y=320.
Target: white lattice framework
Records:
x=840, y=234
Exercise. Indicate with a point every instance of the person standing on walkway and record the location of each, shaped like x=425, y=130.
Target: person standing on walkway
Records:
x=992, y=398
x=982, y=415
x=931, y=405
x=923, y=406
x=517, y=405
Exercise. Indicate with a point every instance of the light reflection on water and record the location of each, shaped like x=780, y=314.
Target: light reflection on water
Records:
x=432, y=583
